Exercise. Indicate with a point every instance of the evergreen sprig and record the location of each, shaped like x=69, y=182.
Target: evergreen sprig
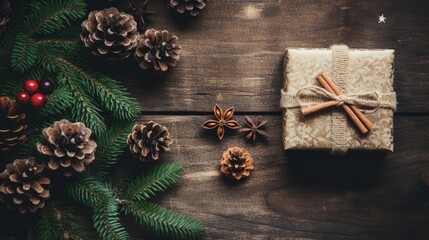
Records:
x=163, y=221
x=41, y=41
x=155, y=180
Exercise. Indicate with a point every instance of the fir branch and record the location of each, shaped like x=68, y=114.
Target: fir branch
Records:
x=51, y=16
x=110, y=146
x=66, y=40
x=163, y=221
x=58, y=102
x=24, y=53
x=107, y=223
x=111, y=95
x=155, y=180
x=83, y=109
x=89, y=192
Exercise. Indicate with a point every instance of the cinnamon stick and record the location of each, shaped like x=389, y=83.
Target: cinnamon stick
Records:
x=311, y=109
x=368, y=124
x=332, y=88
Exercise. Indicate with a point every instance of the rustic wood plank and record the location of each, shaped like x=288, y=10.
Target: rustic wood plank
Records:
x=233, y=52
x=300, y=194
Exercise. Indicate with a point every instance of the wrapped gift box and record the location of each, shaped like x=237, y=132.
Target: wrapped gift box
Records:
x=362, y=71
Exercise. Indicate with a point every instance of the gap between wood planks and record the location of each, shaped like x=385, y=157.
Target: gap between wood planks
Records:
x=199, y=113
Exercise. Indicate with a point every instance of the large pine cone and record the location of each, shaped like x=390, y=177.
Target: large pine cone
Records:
x=12, y=125
x=110, y=33
x=67, y=146
x=187, y=7
x=24, y=186
x=236, y=163
x=4, y=13
x=157, y=49
x=146, y=141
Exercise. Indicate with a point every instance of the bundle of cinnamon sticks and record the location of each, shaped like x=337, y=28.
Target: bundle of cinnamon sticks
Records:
x=360, y=120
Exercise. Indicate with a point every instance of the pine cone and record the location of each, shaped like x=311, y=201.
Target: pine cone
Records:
x=146, y=141
x=110, y=33
x=67, y=146
x=236, y=163
x=4, y=13
x=187, y=7
x=24, y=186
x=157, y=49
x=12, y=125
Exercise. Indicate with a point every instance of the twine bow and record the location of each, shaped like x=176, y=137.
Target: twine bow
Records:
x=367, y=101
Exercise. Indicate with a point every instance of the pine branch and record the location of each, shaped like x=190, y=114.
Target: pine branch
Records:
x=155, y=180
x=110, y=146
x=105, y=210
x=83, y=109
x=58, y=102
x=107, y=223
x=51, y=16
x=163, y=221
x=89, y=192
x=111, y=95
x=24, y=53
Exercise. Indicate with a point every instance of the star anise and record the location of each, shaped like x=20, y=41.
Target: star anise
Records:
x=253, y=128
x=223, y=120
x=139, y=13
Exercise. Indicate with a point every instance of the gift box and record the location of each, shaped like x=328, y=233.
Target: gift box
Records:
x=364, y=79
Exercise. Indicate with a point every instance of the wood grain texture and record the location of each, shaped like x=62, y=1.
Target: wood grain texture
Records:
x=308, y=195
x=232, y=55
x=233, y=52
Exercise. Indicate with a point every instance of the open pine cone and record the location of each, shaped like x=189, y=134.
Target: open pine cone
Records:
x=110, y=33
x=147, y=141
x=187, y=7
x=158, y=50
x=12, y=125
x=24, y=186
x=4, y=13
x=236, y=163
x=67, y=146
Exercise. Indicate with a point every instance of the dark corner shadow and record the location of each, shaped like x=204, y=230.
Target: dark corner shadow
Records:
x=354, y=170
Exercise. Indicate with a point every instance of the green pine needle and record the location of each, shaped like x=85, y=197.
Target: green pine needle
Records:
x=163, y=221
x=155, y=180
x=111, y=95
x=83, y=109
x=110, y=146
x=51, y=16
x=107, y=223
x=24, y=53
x=89, y=192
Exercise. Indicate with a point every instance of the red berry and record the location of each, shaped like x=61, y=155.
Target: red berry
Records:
x=46, y=87
x=31, y=86
x=38, y=100
x=23, y=97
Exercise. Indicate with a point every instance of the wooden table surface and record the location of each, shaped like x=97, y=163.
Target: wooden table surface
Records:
x=232, y=56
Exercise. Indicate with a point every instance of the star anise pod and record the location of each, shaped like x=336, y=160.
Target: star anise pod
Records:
x=223, y=120
x=139, y=13
x=253, y=128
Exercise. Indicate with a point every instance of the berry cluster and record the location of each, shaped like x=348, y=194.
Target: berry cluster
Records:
x=35, y=93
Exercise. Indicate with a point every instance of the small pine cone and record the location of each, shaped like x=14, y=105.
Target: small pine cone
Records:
x=236, y=163
x=110, y=33
x=4, y=13
x=148, y=140
x=157, y=49
x=24, y=186
x=67, y=146
x=12, y=125
x=187, y=7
